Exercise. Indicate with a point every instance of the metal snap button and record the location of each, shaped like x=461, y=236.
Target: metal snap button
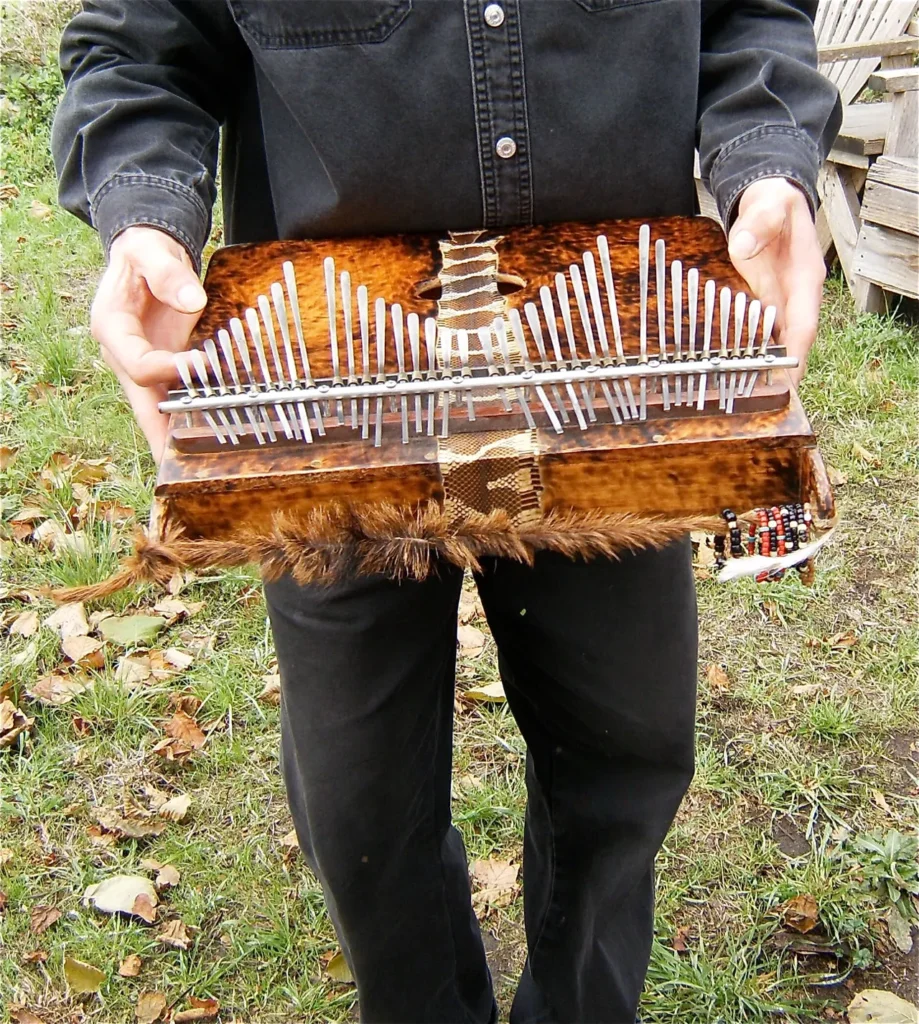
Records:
x=494, y=15
x=505, y=147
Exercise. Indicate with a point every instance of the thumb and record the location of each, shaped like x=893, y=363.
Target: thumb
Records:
x=172, y=281
x=755, y=229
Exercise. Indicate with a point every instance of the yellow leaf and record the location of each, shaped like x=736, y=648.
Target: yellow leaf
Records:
x=338, y=970
x=82, y=977
x=150, y=1007
x=493, y=693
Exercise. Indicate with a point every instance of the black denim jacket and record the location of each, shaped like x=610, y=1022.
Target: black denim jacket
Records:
x=367, y=116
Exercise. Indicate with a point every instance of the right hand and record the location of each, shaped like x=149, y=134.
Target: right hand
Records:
x=146, y=306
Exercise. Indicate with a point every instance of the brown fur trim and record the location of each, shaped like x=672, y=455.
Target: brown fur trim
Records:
x=338, y=541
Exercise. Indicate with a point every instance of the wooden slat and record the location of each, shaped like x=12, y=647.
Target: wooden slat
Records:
x=899, y=171
x=881, y=24
x=889, y=259
x=891, y=207
x=840, y=156
x=864, y=128
x=874, y=48
x=840, y=200
x=896, y=80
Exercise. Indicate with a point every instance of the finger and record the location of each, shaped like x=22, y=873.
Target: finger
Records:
x=170, y=280
x=802, y=314
x=757, y=227
x=121, y=333
x=145, y=406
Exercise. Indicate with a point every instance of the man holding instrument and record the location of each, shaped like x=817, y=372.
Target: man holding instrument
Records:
x=372, y=116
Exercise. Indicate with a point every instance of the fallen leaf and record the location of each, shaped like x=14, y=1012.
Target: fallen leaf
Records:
x=678, y=942
x=133, y=669
x=290, y=840
x=85, y=651
x=6, y=855
x=167, y=877
x=7, y=456
x=139, y=824
x=862, y=453
x=718, y=680
x=492, y=693
x=112, y=512
x=174, y=934
x=41, y=919
x=178, y=659
x=470, y=608
x=13, y=723
x=90, y=471
x=800, y=913
x=56, y=689
x=881, y=1007
x=150, y=1007
x=130, y=966
x=186, y=730
x=183, y=701
x=82, y=977
x=21, y=1015
x=174, y=609
x=81, y=726
x=25, y=624
x=471, y=641
x=120, y=894
x=900, y=930
x=836, y=476
x=878, y=798
x=132, y=630
x=176, y=808
x=271, y=691
x=846, y=639
x=496, y=881
x=40, y=211
x=200, y=1009
x=807, y=689
x=69, y=620
x=338, y=970
x=35, y=956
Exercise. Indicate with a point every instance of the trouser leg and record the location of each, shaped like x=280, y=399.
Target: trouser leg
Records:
x=367, y=682
x=599, y=663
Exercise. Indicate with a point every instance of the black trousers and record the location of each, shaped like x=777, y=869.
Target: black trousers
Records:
x=599, y=666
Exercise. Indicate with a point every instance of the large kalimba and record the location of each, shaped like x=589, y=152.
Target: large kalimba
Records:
x=379, y=404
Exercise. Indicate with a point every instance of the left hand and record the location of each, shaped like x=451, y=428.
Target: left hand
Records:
x=773, y=244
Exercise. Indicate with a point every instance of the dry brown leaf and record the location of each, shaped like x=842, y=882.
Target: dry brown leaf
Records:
x=40, y=211
x=41, y=919
x=150, y=1007
x=180, y=660
x=144, y=907
x=6, y=855
x=862, y=453
x=81, y=726
x=174, y=934
x=880, y=1007
x=186, y=730
x=271, y=691
x=21, y=1015
x=123, y=894
x=13, y=723
x=471, y=641
x=130, y=966
x=174, y=609
x=491, y=693
x=836, y=476
x=57, y=689
x=718, y=680
x=85, y=651
x=800, y=913
x=167, y=877
x=69, y=620
x=136, y=823
x=134, y=669
x=25, y=624
x=35, y=956
x=680, y=936
x=470, y=608
x=199, y=1009
x=496, y=880
x=7, y=456
x=82, y=977
x=176, y=808
x=844, y=639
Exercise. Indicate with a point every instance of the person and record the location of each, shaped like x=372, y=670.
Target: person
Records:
x=346, y=117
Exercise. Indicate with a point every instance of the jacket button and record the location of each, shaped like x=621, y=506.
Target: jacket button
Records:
x=505, y=147
x=494, y=15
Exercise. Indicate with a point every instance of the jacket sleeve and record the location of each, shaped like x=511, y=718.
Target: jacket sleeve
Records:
x=135, y=138
x=764, y=109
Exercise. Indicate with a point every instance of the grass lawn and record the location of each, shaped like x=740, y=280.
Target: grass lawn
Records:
x=783, y=887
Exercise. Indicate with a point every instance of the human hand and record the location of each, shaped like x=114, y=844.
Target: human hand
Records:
x=774, y=246
x=146, y=306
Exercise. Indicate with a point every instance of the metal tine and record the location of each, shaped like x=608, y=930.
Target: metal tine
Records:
x=769, y=314
x=264, y=309
x=349, y=337
x=517, y=328
x=644, y=255
x=280, y=309
x=363, y=314
x=484, y=334
x=226, y=346
x=430, y=344
x=605, y=263
x=676, y=294
x=379, y=315
x=328, y=266
x=398, y=330
x=724, y=324
x=197, y=361
x=692, y=298
x=753, y=316
x=581, y=299
x=549, y=313
x=414, y=343
x=708, y=325
x=255, y=333
x=462, y=348
x=740, y=311
x=210, y=350
x=593, y=286
x=182, y=360
x=236, y=329
x=500, y=329
x=660, y=269
x=561, y=289
x=446, y=355
x=532, y=315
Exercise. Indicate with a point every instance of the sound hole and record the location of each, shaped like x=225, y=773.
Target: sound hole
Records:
x=507, y=285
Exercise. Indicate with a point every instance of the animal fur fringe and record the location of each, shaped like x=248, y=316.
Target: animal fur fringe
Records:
x=336, y=542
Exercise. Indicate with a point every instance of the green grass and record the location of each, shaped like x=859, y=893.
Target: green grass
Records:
x=806, y=767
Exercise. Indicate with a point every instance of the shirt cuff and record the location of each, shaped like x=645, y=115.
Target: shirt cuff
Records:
x=132, y=200
x=770, y=151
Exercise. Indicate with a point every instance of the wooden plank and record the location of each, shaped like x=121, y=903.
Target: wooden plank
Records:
x=896, y=80
x=891, y=207
x=899, y=171
x=912, y=28
x=889, y=259
x=864, y=128
x=884, y=22
x=842, y=210
x=903, y=134
x=840, y=156
x=873, y=48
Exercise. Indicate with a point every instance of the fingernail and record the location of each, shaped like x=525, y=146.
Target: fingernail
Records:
x=191, y=297
x=743, y=245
